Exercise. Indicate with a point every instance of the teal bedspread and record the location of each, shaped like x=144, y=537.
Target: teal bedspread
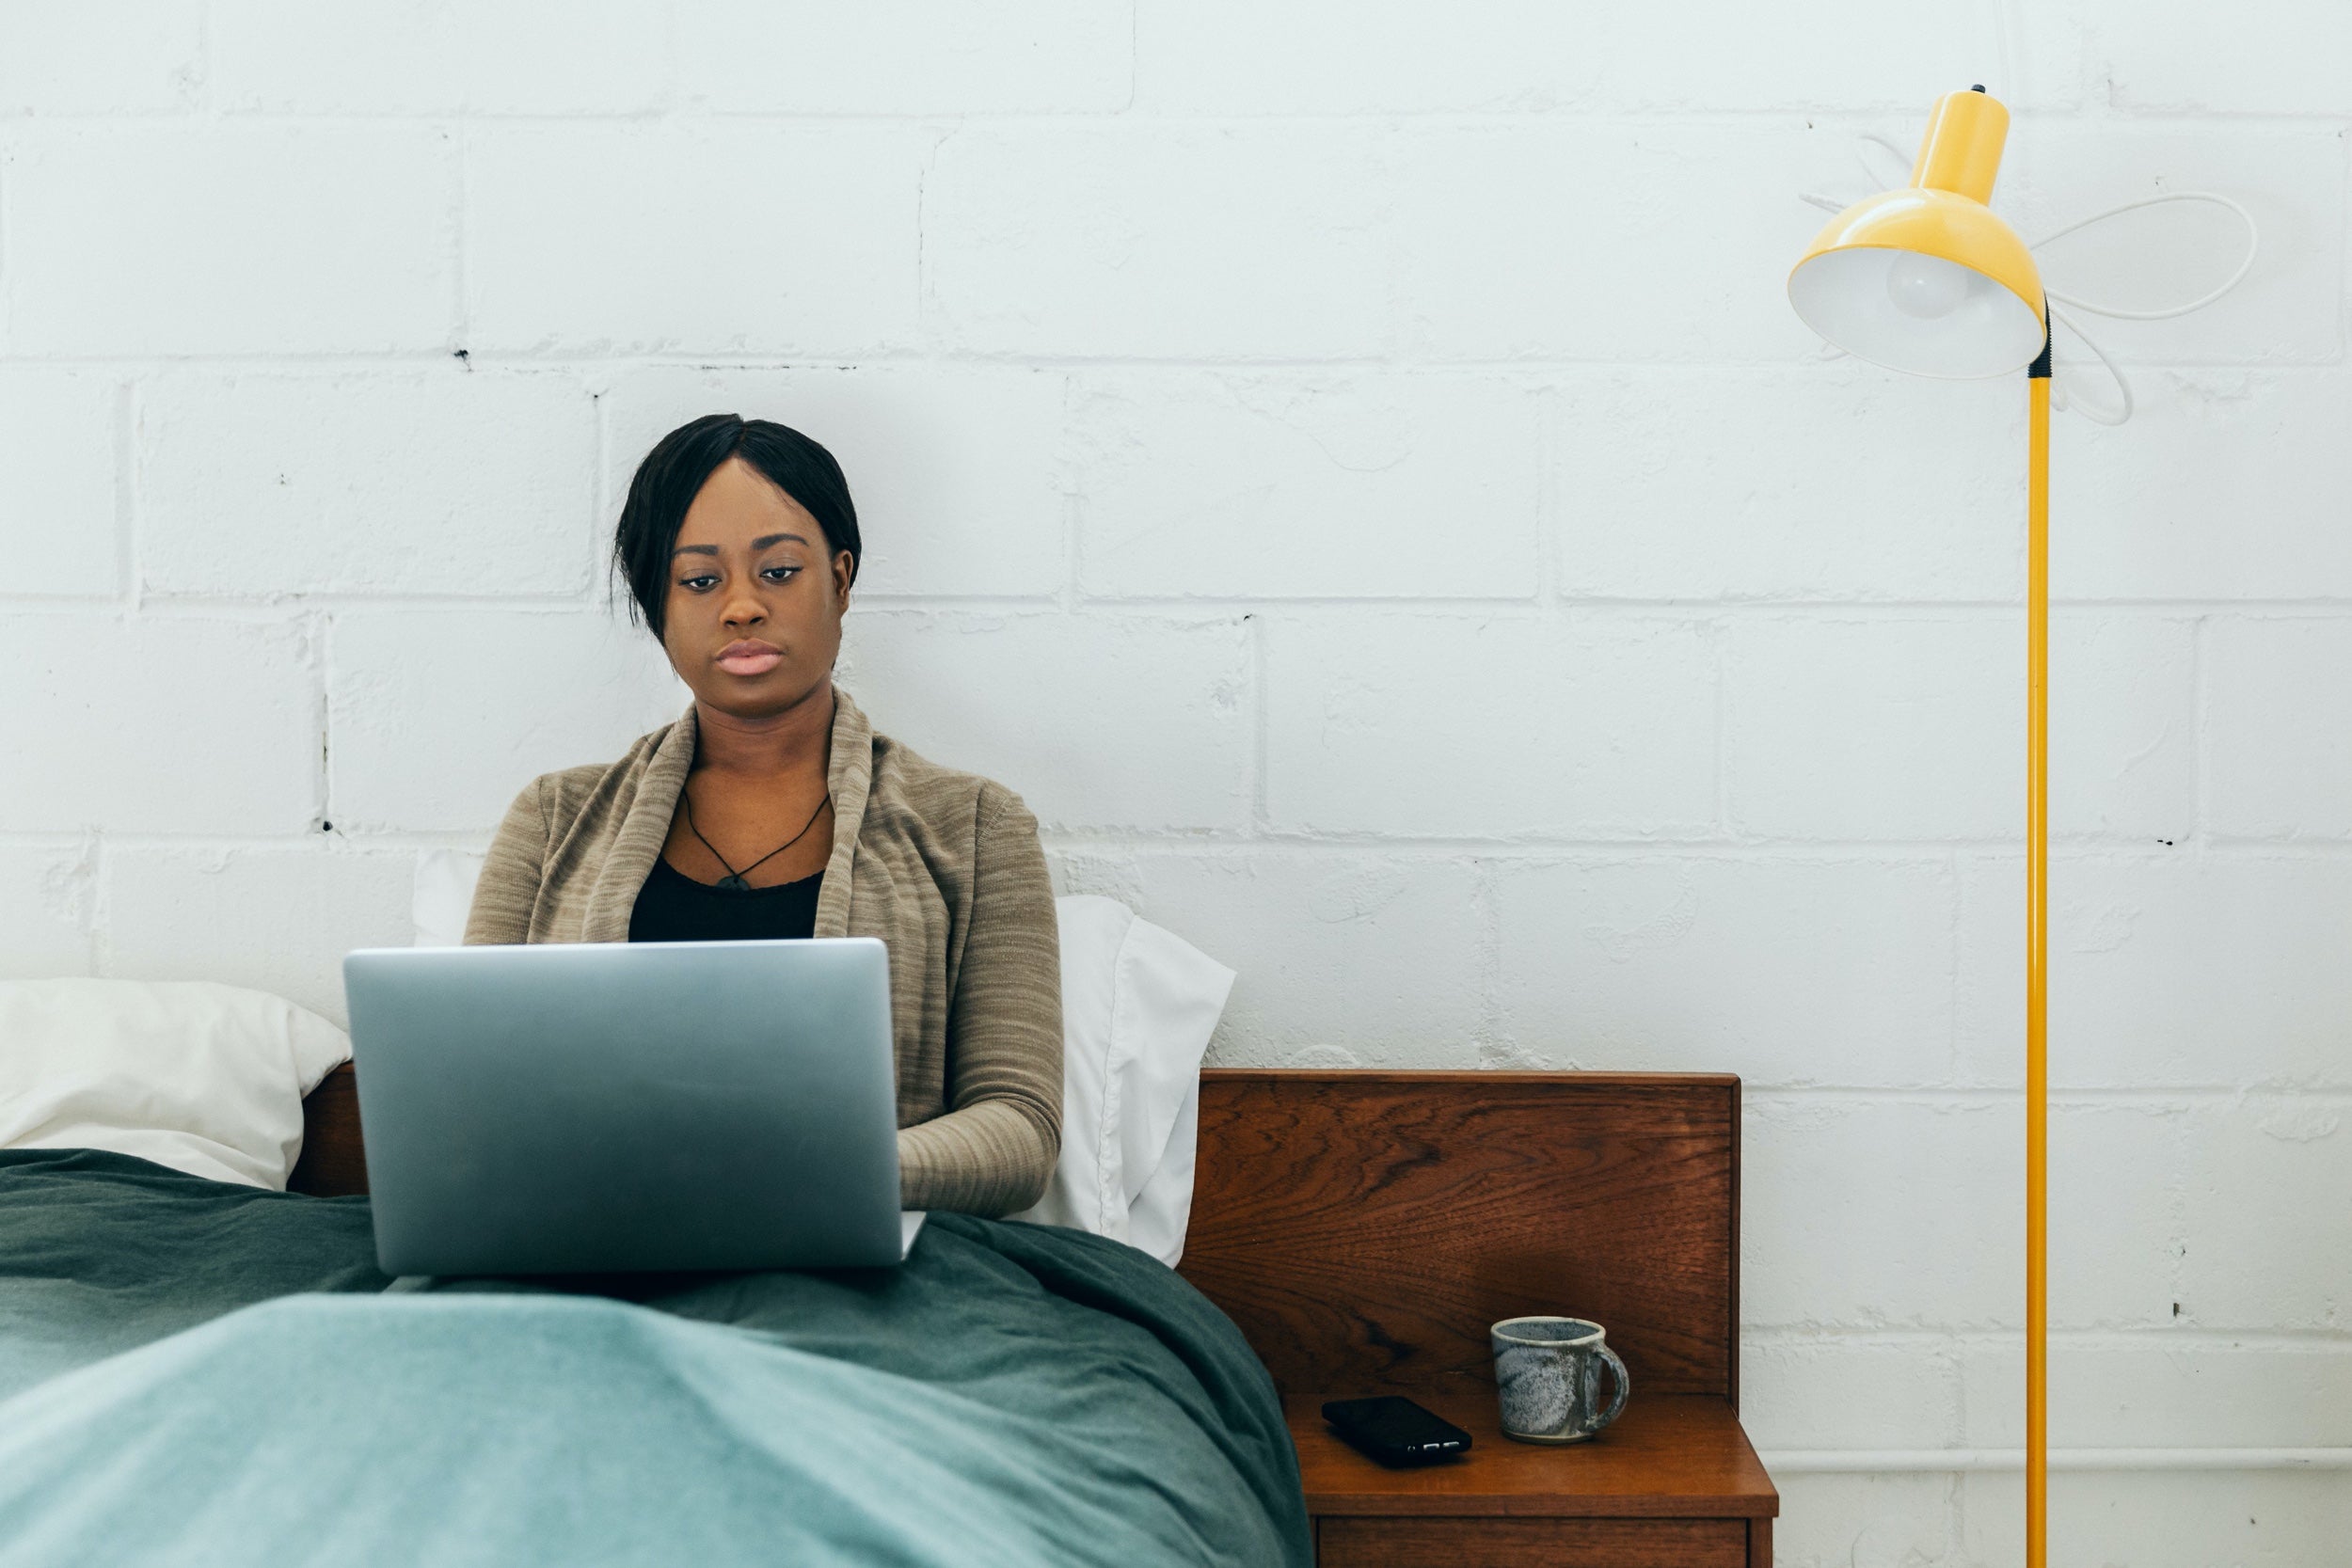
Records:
x=194, y=1372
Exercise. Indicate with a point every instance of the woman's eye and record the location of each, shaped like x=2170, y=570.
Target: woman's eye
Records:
x=790, y=573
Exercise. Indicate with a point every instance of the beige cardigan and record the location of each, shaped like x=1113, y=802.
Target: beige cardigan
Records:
x=944, y=867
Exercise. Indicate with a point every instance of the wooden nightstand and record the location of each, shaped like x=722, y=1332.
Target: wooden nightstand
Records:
x=1364, y=1229
x=1672, y=1484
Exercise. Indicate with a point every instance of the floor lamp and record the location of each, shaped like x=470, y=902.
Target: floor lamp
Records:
x=1926, y=279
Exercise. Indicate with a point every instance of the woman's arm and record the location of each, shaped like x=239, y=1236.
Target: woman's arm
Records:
x=509, y=887
x=992, y=1151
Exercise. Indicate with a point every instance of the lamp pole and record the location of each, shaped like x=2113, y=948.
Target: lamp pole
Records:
x=2037, y=952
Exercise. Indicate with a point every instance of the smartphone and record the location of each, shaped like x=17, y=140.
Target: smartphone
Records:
x=1395, y=1430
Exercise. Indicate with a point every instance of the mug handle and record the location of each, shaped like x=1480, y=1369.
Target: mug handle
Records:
x=1625, y=1386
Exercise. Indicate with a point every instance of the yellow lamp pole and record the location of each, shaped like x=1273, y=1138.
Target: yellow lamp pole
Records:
x=2036, y=959
x=1926, y=279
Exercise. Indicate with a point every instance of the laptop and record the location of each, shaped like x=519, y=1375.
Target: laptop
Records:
x=621, y=1107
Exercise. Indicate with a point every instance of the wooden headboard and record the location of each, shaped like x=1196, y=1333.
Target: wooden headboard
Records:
x=1363, y=1228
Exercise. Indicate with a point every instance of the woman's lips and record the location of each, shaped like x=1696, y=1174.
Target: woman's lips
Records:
x=750, y=663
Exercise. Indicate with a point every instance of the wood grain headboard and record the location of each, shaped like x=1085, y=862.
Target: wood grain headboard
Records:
x=1364, y=1227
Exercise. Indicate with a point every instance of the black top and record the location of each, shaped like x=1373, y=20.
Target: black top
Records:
x=673, y=906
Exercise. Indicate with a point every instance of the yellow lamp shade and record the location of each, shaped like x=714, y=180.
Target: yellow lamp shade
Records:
x=1926, y=279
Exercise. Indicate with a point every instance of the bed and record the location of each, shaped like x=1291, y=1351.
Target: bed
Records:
x=205, y=1374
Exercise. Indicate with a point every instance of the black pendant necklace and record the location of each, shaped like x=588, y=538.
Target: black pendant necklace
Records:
x=734, y=879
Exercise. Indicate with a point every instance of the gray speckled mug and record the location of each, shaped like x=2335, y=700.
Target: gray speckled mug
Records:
x=1547, y=1378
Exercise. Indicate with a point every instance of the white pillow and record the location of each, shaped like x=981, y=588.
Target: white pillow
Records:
x=202, y=1077
x=1139, y=1005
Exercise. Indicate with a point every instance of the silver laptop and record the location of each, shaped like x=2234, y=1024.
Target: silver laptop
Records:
x=593, y=1107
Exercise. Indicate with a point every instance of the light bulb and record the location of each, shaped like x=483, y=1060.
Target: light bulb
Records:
x=1925, y=286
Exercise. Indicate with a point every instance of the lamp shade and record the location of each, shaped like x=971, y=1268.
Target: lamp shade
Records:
x=1927, y=279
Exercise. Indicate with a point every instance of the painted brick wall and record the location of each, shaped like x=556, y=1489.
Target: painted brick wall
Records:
x=1354, y=470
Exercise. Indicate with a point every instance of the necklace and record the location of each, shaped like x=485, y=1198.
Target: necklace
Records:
x=734, y=879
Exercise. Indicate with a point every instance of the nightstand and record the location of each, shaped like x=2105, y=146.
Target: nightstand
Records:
x=1673, y=1484
x=1363, y=1228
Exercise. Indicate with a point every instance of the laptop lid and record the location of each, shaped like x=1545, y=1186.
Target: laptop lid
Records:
x=593, y=1107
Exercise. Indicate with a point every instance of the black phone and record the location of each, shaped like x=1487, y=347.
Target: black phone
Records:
x=1395, y=1430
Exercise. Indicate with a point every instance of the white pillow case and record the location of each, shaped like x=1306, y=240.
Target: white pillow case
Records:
x=1139, y=1005
x=204, y=1077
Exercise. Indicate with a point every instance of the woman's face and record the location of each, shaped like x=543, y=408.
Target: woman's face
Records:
x=751, y=566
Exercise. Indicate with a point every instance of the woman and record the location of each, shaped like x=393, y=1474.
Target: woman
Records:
x=771, y=808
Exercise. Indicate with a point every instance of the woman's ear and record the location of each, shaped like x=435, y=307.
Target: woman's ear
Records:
x=843, y=570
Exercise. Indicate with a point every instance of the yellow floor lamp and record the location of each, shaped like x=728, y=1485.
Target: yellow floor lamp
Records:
x=1926, y=279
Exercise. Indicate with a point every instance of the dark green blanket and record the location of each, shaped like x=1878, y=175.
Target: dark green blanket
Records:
x=196, y=1372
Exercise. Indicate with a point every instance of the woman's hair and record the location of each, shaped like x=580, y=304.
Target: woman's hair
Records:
x=673, y=474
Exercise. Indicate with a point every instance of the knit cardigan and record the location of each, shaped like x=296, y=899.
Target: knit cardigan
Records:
x=944, y=866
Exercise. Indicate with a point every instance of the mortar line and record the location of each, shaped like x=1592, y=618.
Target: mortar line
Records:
x=321, y=626
x=1719, y=645
x=923, y=326
x=1135, y=57
x=1424, y=608
x=126, y=458
x=1820, y=116
x=1486, y=907
x=1954, y=962
x=1549, y=493
x=845, y=356
x=461, y=319
x=1069, y=595
x=1804, y=1462
x=1533, y=854
x=135, y=596
x=601, y=565
x=2144, y=1337
x=101, y=908
x=2201, y=780
x=2069, y=1096
x=208, y=51
x=1261, y=740
x=7, y=244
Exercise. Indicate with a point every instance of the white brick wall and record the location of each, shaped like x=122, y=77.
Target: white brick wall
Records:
x=1194, y=483
x=1489, y=726
x=424, y=481
x=1355, y=471
x=697, y=236
x=1159, y=239
x=154, y=239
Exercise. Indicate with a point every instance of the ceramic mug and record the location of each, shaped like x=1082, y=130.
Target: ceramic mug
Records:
x=1547, y=1378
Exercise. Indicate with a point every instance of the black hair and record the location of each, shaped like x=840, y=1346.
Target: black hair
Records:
x=673, y=474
